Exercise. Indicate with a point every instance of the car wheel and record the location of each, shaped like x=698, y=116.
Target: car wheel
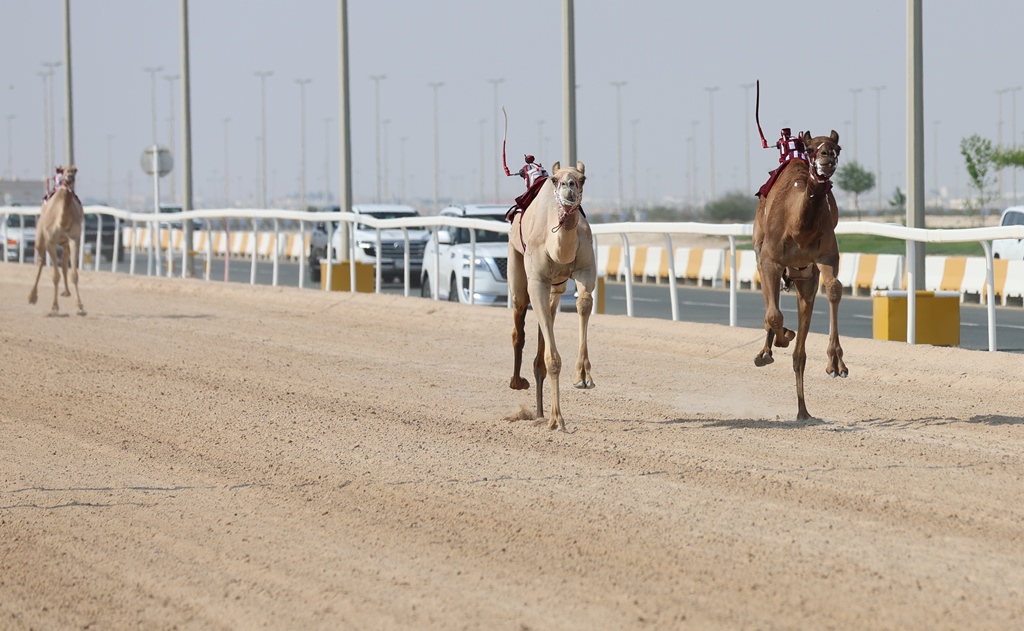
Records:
x=425, y=288
x=453, y=291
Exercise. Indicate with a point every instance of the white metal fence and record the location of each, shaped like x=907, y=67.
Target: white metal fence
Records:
x=274, y=221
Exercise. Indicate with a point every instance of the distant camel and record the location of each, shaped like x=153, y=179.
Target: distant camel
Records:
x=548, y=244
x=795, y=242
x=60, y=224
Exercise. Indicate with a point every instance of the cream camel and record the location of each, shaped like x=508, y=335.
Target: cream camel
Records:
x=795, y=243
x=60, y=224
x=548, y=244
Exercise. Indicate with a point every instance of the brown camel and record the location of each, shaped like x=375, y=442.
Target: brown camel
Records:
x=795, y=242
x=60, y=224
x=548, y=244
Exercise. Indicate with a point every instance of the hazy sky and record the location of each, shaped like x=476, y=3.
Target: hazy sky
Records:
x=808, y=55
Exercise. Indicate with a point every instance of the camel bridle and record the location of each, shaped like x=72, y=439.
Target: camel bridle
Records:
x=813, y=170
x=566, y=206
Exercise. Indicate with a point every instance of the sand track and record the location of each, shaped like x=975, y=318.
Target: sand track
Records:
x=197, y=456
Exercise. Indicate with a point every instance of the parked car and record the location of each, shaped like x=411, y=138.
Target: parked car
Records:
x=392, y=255
x=490, y=285
x=108, y=226
x=19, y=233
x=1010, y=248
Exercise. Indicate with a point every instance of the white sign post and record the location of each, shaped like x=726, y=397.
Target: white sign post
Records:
x=156, y=161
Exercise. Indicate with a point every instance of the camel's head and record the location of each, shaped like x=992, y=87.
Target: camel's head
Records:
x=69, y=176
x=824, y=154
x=568, y=184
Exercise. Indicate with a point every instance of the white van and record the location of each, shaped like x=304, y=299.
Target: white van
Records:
x=1012, y=249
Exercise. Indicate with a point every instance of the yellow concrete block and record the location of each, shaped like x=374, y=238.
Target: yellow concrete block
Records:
x=599, y=306
x=341, y=277
x=938, y=317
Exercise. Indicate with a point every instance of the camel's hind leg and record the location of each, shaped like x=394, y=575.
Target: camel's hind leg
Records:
x=834, y=292
x=73, y=246
x=540, y=371
x=64, y=269
x=806, y=290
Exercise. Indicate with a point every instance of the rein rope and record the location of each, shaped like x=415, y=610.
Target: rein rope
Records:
x=566, y=208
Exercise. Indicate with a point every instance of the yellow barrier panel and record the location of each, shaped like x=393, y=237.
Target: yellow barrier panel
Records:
x=341, y=278
x=938, y=317
x=600, y=295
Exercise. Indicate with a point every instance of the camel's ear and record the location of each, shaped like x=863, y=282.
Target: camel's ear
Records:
x=806, y=137
x=580, y=167
x=834, y=136
x=555, y=167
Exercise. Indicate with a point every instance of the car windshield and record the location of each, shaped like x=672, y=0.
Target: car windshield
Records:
x=14, y=221
x=1013, y=219
x=461, y=235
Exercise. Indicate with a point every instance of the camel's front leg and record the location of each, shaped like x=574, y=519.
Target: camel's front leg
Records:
x=771, y=277
x=806, y=290
x=73, y=246
x=40, y=264
x=55, y=275
x=520, y=301
x=834, y=292
x=64, y=270
x=540, y=295
x=585, y=282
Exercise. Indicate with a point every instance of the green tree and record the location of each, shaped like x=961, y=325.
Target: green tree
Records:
x=898, y=202
x=733, y=206
x=852, y=178
x=981, y=161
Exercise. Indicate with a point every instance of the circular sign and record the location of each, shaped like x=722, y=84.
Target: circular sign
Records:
x=163, y=164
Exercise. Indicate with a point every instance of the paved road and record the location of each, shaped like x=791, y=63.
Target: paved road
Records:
x=695, y=305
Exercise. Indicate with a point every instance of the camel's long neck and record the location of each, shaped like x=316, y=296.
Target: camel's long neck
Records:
x=815, y=203
x=562, y=243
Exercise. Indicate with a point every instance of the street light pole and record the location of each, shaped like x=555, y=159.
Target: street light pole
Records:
x=263, y=74
x=152, y=80
x=170, y=125
x=693, y=162
x=110, y=170
x=10, y=150
x=327, y=161
x=746, y=126
x=935, y=156
x=497, y=153
x=302, y=136
x=635, y=205
x=227, y=196
x=437, y=150
x=376, y=109
x=711, y=135
x=854, y=92
x=69, y=128
x=47, y=164
x=483, y=122
x=618, y=141
x=878, y=141
x=385, y=187
x=1013, y=135
x=52, y=65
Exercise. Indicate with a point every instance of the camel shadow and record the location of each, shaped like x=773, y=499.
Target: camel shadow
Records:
x=745, y=423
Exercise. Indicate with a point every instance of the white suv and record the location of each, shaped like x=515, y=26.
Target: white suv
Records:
x=1010, y=248
x=490, y=287
x=392, y=242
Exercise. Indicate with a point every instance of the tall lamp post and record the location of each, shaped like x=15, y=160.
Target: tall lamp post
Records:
x=437, y=145
x=711, y=135
x=746, y=127
x=855, y=92
x=635, y=204
x=878, y=141
x=376, y=109
x=263, y=74
x=302, y=138
x=227, y=178
x=170, y=127
x=618, y=140
x=1013, y=135
x=497, y=153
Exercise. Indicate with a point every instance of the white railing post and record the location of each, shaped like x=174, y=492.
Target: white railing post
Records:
x=733, y=296
x=990, y=278
x=629, y=275
x=674, y=295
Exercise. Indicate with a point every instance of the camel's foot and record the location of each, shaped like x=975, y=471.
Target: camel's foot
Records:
x=32, y=297
x=584, y=384
x=66, y=293
x=842, y=373
x=54, y=313
x=81, y=311
x=518, y=383
x=763, y=359
x=782, y=341
x=836, y=368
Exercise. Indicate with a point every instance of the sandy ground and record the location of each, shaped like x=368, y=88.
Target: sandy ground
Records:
x=198, y=456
